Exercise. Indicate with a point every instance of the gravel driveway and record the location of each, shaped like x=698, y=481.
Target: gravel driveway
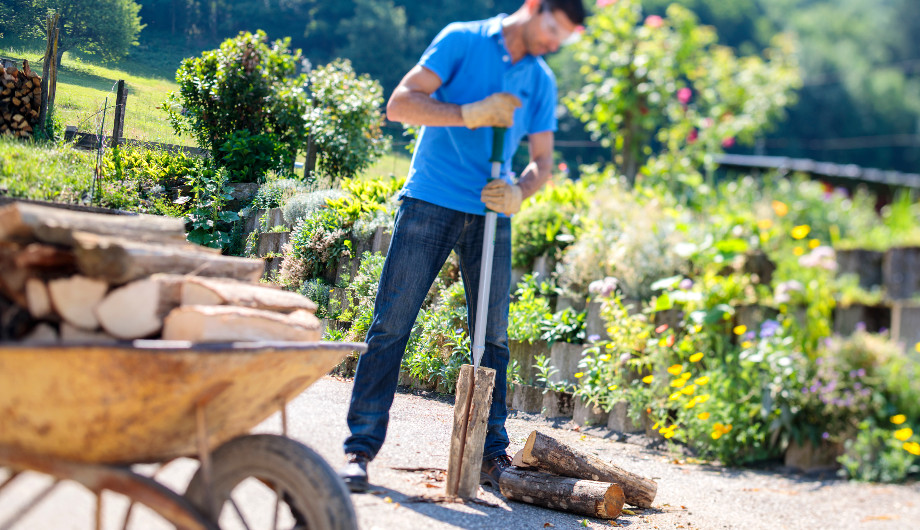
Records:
x=410, y=464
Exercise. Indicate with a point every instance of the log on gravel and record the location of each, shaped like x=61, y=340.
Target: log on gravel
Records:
x=548, y=454
x=31, y=222
x=584, y=497
x=120, y=260
x=231, y=324
x=211, y=291
x=136, y=310
x=74, y=299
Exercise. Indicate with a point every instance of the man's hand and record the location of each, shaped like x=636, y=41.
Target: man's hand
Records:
x=496, y=110
x=502, y=197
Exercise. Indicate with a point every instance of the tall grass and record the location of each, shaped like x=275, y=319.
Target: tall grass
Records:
x=31, y=171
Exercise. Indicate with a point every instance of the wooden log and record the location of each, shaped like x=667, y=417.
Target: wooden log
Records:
x=75, y=299
x=73, y=335
x=584, y=497
x=46, y=258
x=121, y=261
x=471, y=416
x=43, y=333
x=232, y=324
x=31, y=222
x=548, y=454
x=212, y=291
x=137, y=310
x=38, y=299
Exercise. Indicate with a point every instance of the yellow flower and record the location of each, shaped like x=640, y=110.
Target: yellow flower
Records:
x=688, y=390
x=668, y=435
x=703, y=416
x=716, y=435
x=800, y=232
x=765, y=224
x=739, y=330
x=648, y=379
x=579, y=374
x=612, y=387
x=780, y=208
x=674, y=397
x=814, y=243
x=903, y=434
x=917, y=347
x=727, y=429
x=685, y=376
x=609, y=346
x=702, y=380
x=912, y=448
x=703, y=398
x=657, y=423
x=690, y=404
x=798, y=251
x=747, y=344
x=604, y=357
x=699, y=355
x=678, y=383
x=898, y=419
x=676, y=369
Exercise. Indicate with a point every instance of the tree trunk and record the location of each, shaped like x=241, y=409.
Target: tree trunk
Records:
x=550, y=455
x=583, y=497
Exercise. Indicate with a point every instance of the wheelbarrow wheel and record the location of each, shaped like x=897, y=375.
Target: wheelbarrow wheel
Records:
x=301, y=480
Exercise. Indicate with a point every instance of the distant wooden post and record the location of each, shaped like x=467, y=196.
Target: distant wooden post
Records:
x=121, y=97
x=49, y=68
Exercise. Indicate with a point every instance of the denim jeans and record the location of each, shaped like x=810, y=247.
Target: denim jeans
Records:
x=423, y=238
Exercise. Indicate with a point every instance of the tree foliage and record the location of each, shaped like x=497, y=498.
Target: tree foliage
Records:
x=666, y=85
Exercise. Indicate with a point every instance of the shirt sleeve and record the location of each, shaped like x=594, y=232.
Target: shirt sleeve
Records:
x=544, y=104
x=445, y=52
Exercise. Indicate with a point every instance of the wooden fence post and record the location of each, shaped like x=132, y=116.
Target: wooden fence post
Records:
x=49, y=68
x=121, y=97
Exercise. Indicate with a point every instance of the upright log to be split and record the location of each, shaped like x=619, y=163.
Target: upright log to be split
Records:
x=548, y=454
x=583, y=497
x=466, y=446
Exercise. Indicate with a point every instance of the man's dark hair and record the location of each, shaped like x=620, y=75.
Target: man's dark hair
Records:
x=574, y=10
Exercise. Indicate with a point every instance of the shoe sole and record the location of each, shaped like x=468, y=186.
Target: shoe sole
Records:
x=485, y=479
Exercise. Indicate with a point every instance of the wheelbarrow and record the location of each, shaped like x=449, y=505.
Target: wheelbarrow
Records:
x=86, y=413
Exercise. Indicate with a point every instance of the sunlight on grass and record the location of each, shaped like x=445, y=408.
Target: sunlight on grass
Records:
x=82, y=91
x=389, y=164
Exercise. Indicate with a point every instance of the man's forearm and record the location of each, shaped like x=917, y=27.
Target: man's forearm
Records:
x=417, y=108
x=535, y=175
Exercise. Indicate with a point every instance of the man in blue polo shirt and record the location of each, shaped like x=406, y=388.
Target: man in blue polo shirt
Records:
x=473, y=76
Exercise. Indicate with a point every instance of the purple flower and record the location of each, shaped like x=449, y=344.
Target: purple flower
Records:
x=860, y=326
x=769, y=328
x=825, y=435
x=686, y=284
x=594, y=338
x=861, y=372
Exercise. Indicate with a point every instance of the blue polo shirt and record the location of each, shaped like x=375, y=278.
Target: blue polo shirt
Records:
x=451, y=165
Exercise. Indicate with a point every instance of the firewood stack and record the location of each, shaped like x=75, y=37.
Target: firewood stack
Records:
x=548, y=473
x=76, y=277
x=20, y=100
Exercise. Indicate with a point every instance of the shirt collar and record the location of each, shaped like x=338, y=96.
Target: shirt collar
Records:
x=494, y=26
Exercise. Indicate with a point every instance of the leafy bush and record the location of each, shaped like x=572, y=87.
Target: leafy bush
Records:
x=243, y=103
x=527, y=311
x=443, y=343
x=316, y=244
x=275, y=194
x=549, y=221
x=303, y=204
x=344, y=120
x=361, y=292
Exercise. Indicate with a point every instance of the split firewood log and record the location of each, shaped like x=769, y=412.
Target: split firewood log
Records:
x=38, y=299
x=214, y=291
x=548, y=454
x=75, y=299
x=136, y=310
x=233, y=324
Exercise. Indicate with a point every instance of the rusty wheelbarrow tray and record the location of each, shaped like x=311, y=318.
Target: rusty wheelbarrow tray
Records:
x=84, y=412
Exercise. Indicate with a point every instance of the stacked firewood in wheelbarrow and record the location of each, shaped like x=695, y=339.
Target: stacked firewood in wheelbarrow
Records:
x=81, y=277
x=549, y=473
x=20, y=100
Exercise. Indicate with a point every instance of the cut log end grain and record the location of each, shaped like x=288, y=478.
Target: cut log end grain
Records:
x=74, y=335
x=233, y=324
x=37, y=297
x=76, y=298
x=137, y=309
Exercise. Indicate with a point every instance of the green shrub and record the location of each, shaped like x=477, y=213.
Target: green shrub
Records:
x=303, y=204
x=243, y=103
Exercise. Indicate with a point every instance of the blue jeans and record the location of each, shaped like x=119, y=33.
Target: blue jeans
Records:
x=423, y=238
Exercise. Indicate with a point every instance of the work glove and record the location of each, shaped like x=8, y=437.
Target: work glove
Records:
x=496, y=110
x=502, y=197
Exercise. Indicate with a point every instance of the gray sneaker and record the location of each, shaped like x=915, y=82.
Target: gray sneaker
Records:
x=354, y=473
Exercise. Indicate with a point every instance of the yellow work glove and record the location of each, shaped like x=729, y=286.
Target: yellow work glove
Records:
x=496, y=110
x=502, y=197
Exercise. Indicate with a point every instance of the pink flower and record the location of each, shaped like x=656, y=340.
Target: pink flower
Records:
x=654, y=21
x=707, y=123
x=605, y=3
x=694, y=134
x=684, y=94
x=728, y=142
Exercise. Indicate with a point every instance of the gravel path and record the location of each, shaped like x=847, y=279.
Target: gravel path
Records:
x=689, y=495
